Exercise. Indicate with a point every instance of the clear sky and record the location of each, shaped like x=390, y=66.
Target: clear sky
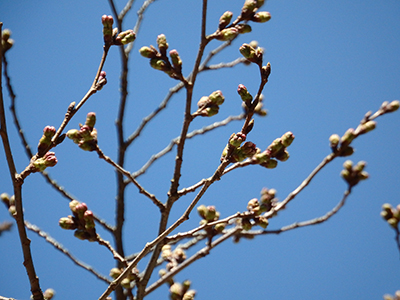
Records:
x=332, y=61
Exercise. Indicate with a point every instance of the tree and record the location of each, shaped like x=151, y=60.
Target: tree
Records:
x=65, y=55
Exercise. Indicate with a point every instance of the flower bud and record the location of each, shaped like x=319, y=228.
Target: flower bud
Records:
x=49, y=294
x=263, y=157
x=347, y=151
x=202, y=211
x=74, y=135
x=126, y=283
x=334, y=140
x=115, y=272
x=244, y=93
x=48, y=160
x=249, y=7
x=91, y=119
x=237, y=139
x=368, y=126
x=189, y=295
x=393, y=222
x=282, y=155
x=5, y=34
x=125, y=37
x=176, y=291
x=275, y=147
x=243, y=28
x=261, y=17
x=253, y=205
x=260, y=3
x=246, y=224
x=80, y=209
x=162, y=44
x=107, y=27
x=359, y=167
x=225, y=19
x=210, y=111
x=67, y=223
x=393, y=106
x=262, y=221
x=80, y=234
x=248, y=52
x=227, y=34
x=89, y=219
x=176, y=60
x=270, y=164
x=211, y=213
x=5, y=198
x=249, y=149
x=179, y=254
x=348, y=165
x=265, y=71
x=287, y=139
x=45, y=140
x=148, y=52
x=159, y=64
x=217, y=97
x=12, y=210
x=348, y=137
x=219, y=227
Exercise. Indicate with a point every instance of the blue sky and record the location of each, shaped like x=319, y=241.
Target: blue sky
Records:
x=331, y=63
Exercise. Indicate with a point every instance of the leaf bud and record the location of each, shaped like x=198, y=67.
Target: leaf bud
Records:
x=225, y=19
x=227, y=34
x=261, y=17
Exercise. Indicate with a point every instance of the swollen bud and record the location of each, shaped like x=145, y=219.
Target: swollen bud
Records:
x=225, y=20
x=162, y=44
x=227, y=34
x=261, y=17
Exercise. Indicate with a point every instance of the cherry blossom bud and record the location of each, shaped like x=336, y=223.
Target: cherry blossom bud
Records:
x=249, y=7
x=261, y=17
x=367, y=127
x=125, y=37
x=270, y=164
x=227, y=34
x=162, y=44
x=189, y=295
x=148, y=52
x=237, y=139
x=246, y=224
x=107, y=28
x=225, y=19
x=334, y=140
x=260, y=3
x=348, y=137
x=176, y=60
x=217, y=97
x=243, y=28
x=282, y=155
x=67, y=223
x=393, y=106
x=49, y=294
x=287, y=139
x=45, y=140
x=115, y=272
x=90, y=119
x=244, y=93
x=48, y=160
x=176, y=291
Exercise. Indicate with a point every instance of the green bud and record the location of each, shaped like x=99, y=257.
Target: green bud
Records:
x=287, y=139
x=227, y=34
x=176, y=291
x=159, y=64
x=225, y=19
x=360, y=166
x=237, y=139
x=263, y=222
x=363, y=175
x=334, y=140
x=260, y=3
x=248, y=52
x=176, y=60
x=202, y=211
x=246, y=224
x=80, y=234
x=210, y=111
x=91, y=119
x=217, y=97
x=249, y=7
x=346, y=175
x=348, y=137
x=148, y=52
x=348, y=165
x=48, y=160
x=393, y=222
x=219, y=227
x=125, y=37
x=67, y=223
x=282, y=155
x=162, y=43
x=243, y=28
x=261, y=17
x=211, y=213
x=5, y=198
x=275, y=147
x=74, y=134
x=368, y=126
x=115, y=272
x=393, y=106
x=347, y=151
x=5, y=34
x=126, y=283
x=270, y=164
x=263, y=157
x=244, y=93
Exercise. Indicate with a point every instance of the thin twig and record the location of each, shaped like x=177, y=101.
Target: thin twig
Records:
x=62, y=249
x=112, y=250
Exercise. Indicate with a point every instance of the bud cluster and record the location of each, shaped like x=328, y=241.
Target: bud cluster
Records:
x=40, y=164
x=227, y=31
x=159, y=59
x=9, y=202
x=209, y=105
x=82, y=220
x=174, y=258
x=240, y=152
x=276, y=151
x=6, y=42
x=129, y=281
x=396, y=296
x=112, y=37
x=353, y=174
x=181, y=291
x=391, y=215
x=210, y=214
x=258, y=207
x=86, y=136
